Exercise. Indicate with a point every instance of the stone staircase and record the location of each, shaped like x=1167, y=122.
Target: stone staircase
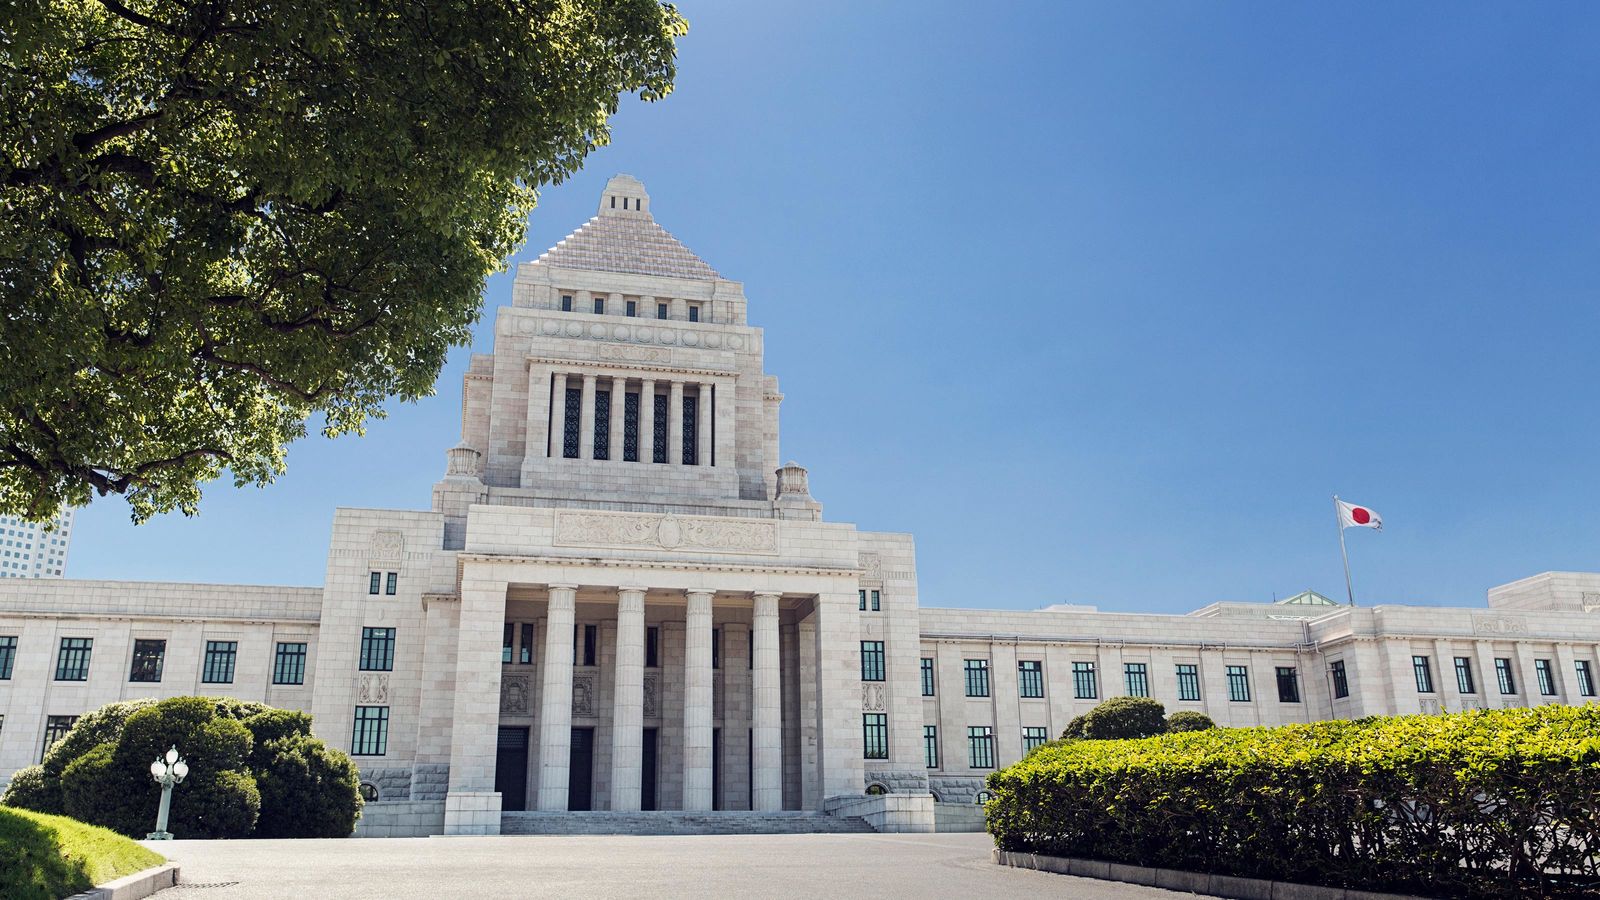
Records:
x=677, y=822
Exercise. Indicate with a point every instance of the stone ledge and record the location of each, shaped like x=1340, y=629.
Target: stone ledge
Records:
x=135, y=886
x=1194, y=882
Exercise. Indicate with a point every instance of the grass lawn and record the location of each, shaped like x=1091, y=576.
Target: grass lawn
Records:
x=49, y=857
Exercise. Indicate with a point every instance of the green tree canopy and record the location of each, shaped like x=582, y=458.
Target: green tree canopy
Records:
x=220, y=219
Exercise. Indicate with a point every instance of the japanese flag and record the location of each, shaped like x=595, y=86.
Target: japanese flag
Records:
x=1353, y=516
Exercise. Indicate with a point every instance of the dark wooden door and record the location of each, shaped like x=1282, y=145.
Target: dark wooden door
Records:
x=580, y=774
x=511, y=768
x=647, y=775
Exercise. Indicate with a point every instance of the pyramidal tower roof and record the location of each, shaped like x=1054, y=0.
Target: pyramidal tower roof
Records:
x=624, y=237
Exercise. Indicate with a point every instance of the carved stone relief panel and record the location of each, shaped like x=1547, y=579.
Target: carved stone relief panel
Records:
x=373, y=688
x=652, y=691
x=583, y=694
x=872, y=697
x=1498, y=625
x=575, y=528
x=514, y=694
x=387, y=546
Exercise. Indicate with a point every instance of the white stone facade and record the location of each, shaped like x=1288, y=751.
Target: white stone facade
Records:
x=621, y=601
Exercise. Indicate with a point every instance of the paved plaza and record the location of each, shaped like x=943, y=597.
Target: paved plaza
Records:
x=816, y=865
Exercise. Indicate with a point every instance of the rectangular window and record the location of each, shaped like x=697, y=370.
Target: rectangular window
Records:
x=599, y=306
x=1188, y=681
x=862, y=595
x=1239, y=684
x=219, y=659
x=1083, y=681
x=8, y=656
x=148, y=657
x=875, y=735
x=872, y=660
x=877, y=601
x=566, y=303
x=602, y=424
x=691, y=424
x=289, y=666
x=930, y=745
x=1033, y=737
x=630, y=426
x=507, y=635
x=1341, y=681
x=1030, y=678
x=633, y=308
x=571, y=412
x=590, y=635
x=370, y=736
x=694, y=313
x=652, y=647
x=658, y=442
x=374, y=581
x=1585, y=678
x=980, y=747
x=55, y=728
x=1502, y=673
x=1424, y=674
x=1464, y=682
x=377, y=650
x=977, y=677
x=927, y=677
x=72, y=664
x=716, y=648
x=525, y=654
x=1288, y=684
x=391, y=583
x=1138, y=679
x=1547, y=677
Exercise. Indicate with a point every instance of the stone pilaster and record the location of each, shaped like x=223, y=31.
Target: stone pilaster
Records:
x=558, y=415
x=555, y=700
x=627, y=721
x=703, y=425
x=697, y=700
x=586, y=418
x=647, y=420
x=675, y=424
x=767, y=712
x=619, y=405
x=472, y=805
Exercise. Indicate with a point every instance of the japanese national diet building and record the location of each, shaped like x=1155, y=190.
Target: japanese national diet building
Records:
x=623, y=600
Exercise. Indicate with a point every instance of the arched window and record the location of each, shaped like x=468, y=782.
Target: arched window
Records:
x=369, y=792
x=982, y=798
x=874, y=789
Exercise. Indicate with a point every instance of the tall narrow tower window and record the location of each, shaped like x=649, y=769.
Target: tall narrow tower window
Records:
x=569, y=430
x=690, y=414
x=602, y=429
x=630, y=427
x=658, y=453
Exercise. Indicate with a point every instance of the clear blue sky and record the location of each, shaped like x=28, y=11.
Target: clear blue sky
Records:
x=1103, y=301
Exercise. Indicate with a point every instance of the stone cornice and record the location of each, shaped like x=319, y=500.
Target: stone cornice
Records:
x=664, y=565
x=1112, y=643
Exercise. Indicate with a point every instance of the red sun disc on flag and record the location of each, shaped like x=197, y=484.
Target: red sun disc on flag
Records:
x=1359, y=515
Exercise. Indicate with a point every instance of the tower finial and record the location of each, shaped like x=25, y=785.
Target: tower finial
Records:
x=625, y=196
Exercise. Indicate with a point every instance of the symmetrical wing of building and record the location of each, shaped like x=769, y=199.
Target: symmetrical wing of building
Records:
x=620, y=600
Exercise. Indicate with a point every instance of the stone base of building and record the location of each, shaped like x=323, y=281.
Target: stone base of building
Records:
x=955, y=817
x=472, y=812
x=405, y=818
x=886, y=812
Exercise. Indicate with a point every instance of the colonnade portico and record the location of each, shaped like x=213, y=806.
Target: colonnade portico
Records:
x=596, y=433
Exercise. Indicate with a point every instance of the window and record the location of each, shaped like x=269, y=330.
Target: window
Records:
x=602, y=424
x=930, y=745
x=8, y=656
x=571, y=412
x=872, y=660
x=1585, y=679
x=1083, y=681
x=1188, y=681
x=1341, y=681
x=1464, y=682
x=927, y=677
x=1137, y=678
x=716, y=648
x=1239, y=684
x=630, y=426
x=877, y=601
x=980, y=747
x=526, y=652
x=1419, y=665
x=55, y=728
x=589, y=633
x=875, y=735
x=370, y=736
x=633, y=308
x=377, y=650
x=652, y=647
x=507, y=635
x=1288, y=684
x=72, y=664
x=691, y=424
x=391, y=583
x=661, y=310
x=1031, y=738
x=1547, y=677
x=147, y=659
x=658, y=442
x=289, y=666
x=566, y=303
x=1030, y=678
x=862, y=595
x=977, y=677
x=599, y=306
x=1502, y=673
x=373, y=582
x=694, y=313
x=220, y=656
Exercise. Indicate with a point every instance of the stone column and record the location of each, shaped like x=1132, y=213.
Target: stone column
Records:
x=702, y=426
x=647, y=420
x=586, y=419
x=558, y=415
x=767, y=713
x=472, y=805
x=627, y=718
x=697, y=701
x=675, y=424
x=555, y=702
x=619, y=405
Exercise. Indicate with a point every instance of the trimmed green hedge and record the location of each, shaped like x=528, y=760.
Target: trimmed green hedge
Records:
x=43, y=857
x=1478, y=804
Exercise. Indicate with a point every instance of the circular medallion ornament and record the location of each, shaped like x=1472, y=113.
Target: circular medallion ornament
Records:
x=669, y=533
x=574, y=329
x=736, y=342
x=669, y=337
x=644, y=335
x=551, y=327
x=620, y=332
x=597, y=331
x=713, y=340
x=690, y=339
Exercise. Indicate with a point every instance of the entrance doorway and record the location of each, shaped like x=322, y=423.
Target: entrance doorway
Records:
x=511, y=768
x=580, y=778
x=647, y=775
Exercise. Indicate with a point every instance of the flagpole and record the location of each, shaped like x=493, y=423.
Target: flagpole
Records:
x=1339, y=520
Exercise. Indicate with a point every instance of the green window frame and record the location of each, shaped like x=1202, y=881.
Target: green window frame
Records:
x=927, y=676
x=1137, y=679
x=1033, y=736
x=980, y=746
x=872, y=663
x=1464, y=681
x=72, y=661
x=55, y=728
x=289, y=663
x=1085, y=684
x=377, y=650
x=1288, y=684
x=1547, y=677
x=219, y=662
x=8, y=656
x=874, y=736
x=1188, y=681
x=930, y=745
x=1585, y=678
x=370, y=734
x=1422, y=668
x=1341, y=679
x=1239, y=684
x=1505, y=676
x=1030, y=678
x=977, y=672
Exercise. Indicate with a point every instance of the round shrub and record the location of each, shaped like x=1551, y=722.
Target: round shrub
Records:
x=1074, y=729
x=1125, y=717
x=92, y=729
x=31, y=789
x=1189, y=720
x=274, y=725
x=94, y=790
x=221, y=804
x=308, y=789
